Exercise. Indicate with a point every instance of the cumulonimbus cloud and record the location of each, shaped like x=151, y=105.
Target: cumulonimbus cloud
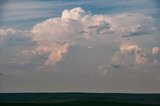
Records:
x=54, y=36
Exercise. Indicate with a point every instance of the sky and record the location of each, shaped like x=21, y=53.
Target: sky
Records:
x=80, y=46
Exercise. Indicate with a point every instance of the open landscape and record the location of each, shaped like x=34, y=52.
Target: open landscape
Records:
x=79, y=99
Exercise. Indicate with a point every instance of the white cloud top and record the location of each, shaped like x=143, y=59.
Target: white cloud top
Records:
x=75, y=13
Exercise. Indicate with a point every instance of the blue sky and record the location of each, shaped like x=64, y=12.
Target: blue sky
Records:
x=80, y=46
x=24, y=14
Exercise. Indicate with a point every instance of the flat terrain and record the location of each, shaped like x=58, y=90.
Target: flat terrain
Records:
x=79, y=99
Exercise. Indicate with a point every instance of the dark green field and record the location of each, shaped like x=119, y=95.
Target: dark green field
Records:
x=79, y=99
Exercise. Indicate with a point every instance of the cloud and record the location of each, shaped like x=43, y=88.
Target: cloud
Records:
x=48, y=41
x=155, y=50
x=12, y=42
x=75, y=13
x=101, y=72
x=129, y=48
x=13, y=35
x=140, y=58
x=126, y=54
x=136, y=31
x=78, y=22
x=56, y=53
x=6, y=31
x=102, y=69
x=131, y=53
x=128, y=25
x=156, y=55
